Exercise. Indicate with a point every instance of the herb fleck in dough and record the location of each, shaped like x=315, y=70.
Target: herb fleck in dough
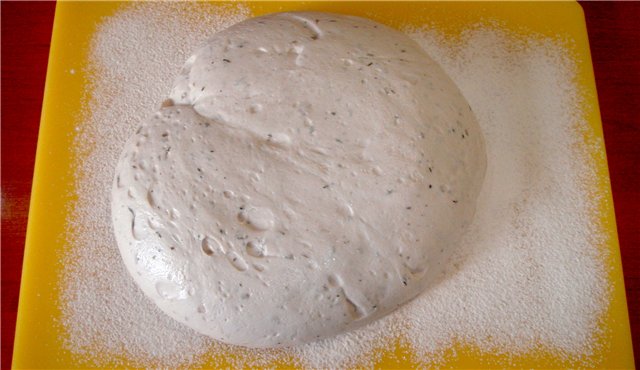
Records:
x=310, y=173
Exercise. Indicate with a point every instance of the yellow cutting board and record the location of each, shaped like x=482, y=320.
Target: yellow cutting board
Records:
x=38, y=342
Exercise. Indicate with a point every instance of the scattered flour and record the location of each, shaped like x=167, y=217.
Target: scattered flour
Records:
x=529, y=275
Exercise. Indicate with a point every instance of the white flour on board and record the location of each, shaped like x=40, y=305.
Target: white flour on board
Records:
x=530, y=273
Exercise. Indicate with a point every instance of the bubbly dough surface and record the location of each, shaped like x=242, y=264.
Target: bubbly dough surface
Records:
x=313, y=173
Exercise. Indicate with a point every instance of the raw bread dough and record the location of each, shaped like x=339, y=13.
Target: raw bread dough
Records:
x=311, y=173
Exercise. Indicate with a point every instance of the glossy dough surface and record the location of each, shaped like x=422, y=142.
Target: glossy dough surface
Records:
x=313, y=173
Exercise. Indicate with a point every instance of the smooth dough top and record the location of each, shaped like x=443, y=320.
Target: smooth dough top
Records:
x=311, y=173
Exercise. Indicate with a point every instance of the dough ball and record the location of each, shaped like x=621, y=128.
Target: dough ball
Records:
x=311, y=173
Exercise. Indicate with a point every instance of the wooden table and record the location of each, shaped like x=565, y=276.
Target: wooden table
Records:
x=26, y=33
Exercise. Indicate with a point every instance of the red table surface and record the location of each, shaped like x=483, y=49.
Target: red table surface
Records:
x=614, y=35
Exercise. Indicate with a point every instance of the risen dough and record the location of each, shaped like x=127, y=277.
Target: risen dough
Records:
x=314, y=174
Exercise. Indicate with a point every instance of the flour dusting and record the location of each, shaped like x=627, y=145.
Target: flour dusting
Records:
x=530, y=273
